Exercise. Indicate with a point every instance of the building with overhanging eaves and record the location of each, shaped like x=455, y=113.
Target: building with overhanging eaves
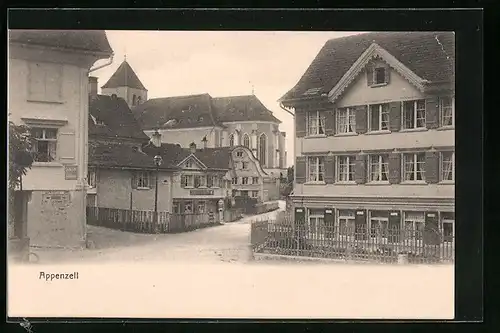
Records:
x=223, y=121
x=375, y=138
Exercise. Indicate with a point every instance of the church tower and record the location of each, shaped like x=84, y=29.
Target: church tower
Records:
x=124, y=83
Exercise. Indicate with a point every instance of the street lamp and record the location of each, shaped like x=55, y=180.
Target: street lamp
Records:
x=157, y=159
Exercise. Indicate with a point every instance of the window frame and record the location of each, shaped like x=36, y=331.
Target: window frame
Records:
x=187, y=184
x=255, y=182
x=201, y=203
x=143, y=175
x=381, y=231
x=234, y=181
x=349, y=222
x=441, y=166
x=383, y=108
x=374, y=77
x=320, y=169
x=415, y=115
x=48, y=141
x=320, y=119
x=244, y=165
x=441, y=113
x=246, y=139
x=92, y=178
x=418, y=232
x=379, y=163
x=319, y=221
x=350, y=114
x=415, y=167
x=349, y=171
x=243, y=182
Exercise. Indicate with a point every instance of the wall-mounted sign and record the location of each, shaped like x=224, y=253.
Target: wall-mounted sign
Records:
x=328, y=211
x=70, y=172
x=431, y=215
x=394, y=214
x=55, y=199
x=360, y=213
x=299, y=210
x=201, y=192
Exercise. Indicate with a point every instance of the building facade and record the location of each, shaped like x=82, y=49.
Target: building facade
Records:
x=48, y=82
x=223, y=121
x=375, y=142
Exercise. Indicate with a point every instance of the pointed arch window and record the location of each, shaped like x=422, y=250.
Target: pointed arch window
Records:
x=231, y=140
x=246, y=140
x=134, y=97
x=262, y=149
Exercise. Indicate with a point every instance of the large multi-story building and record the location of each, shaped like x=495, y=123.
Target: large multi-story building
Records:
x=223, y=121
x=375, y=139
x=48, y=83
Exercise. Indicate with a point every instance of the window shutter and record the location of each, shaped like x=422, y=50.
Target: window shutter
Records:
x=395, y=116
x=329, y=169
x=300, y=169
x=329, y=222
x=369, y=75
x=360, y=169
x=329, y=122
x=432, y=112
x=361, y=119
x=134, y=179
x=431, y=229
x=432, y=167
x=300, y=123
x=387, y=72
x=394, y=168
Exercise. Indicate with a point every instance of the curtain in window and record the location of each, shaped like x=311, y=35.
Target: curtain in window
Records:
x=343, y=169
x=342, y=121
x=313, y=167
x=385, y=169
x=352, y=121
x=420, y=167
x=321, y=129
x=375, y=170
x=447, y=168
x=313, y=123
x=409, y=167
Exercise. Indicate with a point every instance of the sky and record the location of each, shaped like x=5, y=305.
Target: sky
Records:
x=221, y=63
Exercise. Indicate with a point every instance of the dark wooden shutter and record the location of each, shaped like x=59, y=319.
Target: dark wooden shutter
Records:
x=394, y=168
x=432, y=234
x=360, y=169
x=369, y=74
x=329, y=122
x=432, y=167
x=395, y=116
x=361, y=119
x=300, y=123
x=360, y=229
x=329, y=169
x=134, y=179
x=300, y=169
x=387, y=72
x=300, y=216
x=183, y=178
x=432, y=112
x=394, y=227
x=329, y=222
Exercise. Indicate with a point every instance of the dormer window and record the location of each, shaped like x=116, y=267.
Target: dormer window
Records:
x=379, y=75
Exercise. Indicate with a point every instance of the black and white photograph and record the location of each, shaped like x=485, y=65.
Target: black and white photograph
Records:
x=231, y=174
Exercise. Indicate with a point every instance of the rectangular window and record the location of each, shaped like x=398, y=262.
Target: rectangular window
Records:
x=91, y=178
x=255, y=194
x=414, y=114
x=316, y=166
x=379, y=221
x=187, y=181
x=244, y=165
x=447, y=110
x=447, y=166
x=188, y=164
x=379, y=75
x=244, y=180
x=345, y=168
x=414, y=223
x=414, y=167
x=210, y=181
x=143, y=179
x=239, y=154
x=44, y=144
x=255, y=180
x=316, y=220
x=379, y=117
x=346, y=120
x=234, y=181
x=378, y=168
x=200, y=207
x=448, y=226
x=188, y=207
x=45, y=82
x=200, y=181
x=316, y=122
x=345, y=221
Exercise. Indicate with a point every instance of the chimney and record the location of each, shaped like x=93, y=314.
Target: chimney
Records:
x=204, y=140
x=156, y=139
x=92, y=87
x=192, y=147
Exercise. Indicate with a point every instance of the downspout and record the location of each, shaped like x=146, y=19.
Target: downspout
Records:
x=103, y=65
x=293, y=115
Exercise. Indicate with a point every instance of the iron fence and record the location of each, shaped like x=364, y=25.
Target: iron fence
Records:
x=144, y=221
x=353, y=243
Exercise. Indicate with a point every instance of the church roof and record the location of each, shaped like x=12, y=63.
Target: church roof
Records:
x=430, y=55
x=124, y=77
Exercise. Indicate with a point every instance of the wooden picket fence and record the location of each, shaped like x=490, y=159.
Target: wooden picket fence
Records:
x=386, y=245
x=144, y=222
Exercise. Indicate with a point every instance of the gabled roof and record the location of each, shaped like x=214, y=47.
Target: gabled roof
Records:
x=188, y=111
x=212, y=158
x=121, y=155
x=430, y=55
x=201, y=110
x=242, y=108
x=124, y=77
x=82, y=40
x=114, y=119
